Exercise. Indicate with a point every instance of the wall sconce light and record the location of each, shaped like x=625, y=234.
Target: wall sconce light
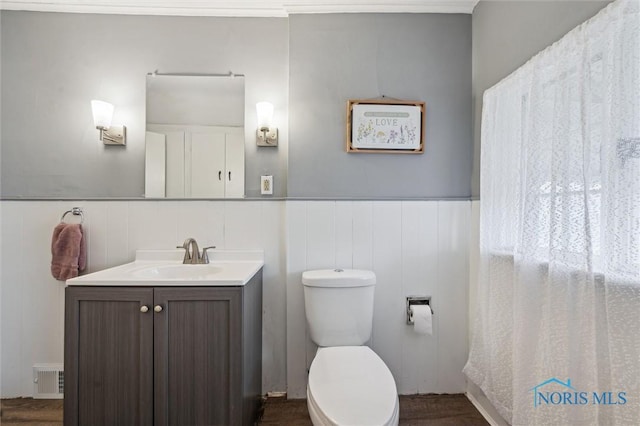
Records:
x=102, y=114
x=266, y=135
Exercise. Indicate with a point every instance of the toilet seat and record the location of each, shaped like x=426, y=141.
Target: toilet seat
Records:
x=349, y=386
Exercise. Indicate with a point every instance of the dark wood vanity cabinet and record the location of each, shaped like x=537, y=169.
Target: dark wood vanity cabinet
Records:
x=163, y=355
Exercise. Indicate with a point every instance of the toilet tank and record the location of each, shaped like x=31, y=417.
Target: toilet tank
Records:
x=339, y=306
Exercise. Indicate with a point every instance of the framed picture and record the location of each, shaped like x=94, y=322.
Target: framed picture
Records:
x=383, y=126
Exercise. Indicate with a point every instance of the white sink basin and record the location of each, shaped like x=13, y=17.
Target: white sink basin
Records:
x=187, y=272
x=165, y=268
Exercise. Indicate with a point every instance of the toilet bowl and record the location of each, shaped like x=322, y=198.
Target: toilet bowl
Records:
x=349, y=386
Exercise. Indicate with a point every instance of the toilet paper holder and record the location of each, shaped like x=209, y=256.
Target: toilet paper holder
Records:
x=417, y=300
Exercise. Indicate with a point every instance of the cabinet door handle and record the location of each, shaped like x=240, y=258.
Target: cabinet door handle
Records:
x=158, y=308
x=219, y=174
x=144, y=309
x=229, y=176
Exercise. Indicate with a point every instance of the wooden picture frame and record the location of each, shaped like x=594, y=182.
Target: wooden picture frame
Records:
x=385, y=126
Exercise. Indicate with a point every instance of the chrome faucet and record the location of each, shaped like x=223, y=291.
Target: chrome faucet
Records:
x=192, y=253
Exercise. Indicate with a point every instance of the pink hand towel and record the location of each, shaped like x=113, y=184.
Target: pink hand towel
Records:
x=68, y=250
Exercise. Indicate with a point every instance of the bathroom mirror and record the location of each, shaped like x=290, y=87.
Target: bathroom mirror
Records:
x=194, y=144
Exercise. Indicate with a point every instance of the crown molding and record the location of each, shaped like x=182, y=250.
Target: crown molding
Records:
x=159, y=7
x=244, y=8
x=380, y=6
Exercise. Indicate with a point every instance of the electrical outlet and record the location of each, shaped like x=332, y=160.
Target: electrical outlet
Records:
x=266, y=185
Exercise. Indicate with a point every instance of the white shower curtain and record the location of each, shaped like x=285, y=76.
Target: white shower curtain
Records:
x=556, y=339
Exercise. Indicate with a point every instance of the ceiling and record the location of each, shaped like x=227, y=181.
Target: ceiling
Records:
x=259, y=8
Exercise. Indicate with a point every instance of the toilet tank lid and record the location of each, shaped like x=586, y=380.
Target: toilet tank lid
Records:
x=338, y=278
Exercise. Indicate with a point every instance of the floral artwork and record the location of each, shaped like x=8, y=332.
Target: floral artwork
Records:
x=382, y=126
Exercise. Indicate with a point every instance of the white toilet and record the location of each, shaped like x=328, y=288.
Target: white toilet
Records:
x=349, y=385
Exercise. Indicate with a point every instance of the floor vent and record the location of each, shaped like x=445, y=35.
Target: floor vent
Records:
x=48, y=381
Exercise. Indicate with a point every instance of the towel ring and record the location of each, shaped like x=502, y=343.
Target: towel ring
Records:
x=76, y=211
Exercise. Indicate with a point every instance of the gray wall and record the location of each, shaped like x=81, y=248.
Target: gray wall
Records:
x=506, y=34
x=53, y=64
x=334, y=58
x=51, y=149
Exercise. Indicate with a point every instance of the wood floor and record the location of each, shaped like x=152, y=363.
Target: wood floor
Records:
x=433, y=410
x=27, y=411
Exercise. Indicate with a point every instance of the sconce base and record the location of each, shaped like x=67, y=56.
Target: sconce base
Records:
x=267, y=137
x=114, y=135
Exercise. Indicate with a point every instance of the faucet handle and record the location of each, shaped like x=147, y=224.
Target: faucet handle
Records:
x=205, y=257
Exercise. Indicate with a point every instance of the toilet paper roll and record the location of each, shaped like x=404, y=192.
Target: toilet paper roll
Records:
x=422, y=323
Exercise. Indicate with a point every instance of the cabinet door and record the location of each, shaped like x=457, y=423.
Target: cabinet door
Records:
x=207, y=166
x=198, y=356
x=234, y=187
x=175, y=158
x=154, y=165
x=108, y=356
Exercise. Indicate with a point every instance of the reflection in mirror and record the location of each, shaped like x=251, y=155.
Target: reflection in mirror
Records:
x=195, y=136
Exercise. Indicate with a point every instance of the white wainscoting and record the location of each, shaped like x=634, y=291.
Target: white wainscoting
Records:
x=32, y=302
x=415, y=248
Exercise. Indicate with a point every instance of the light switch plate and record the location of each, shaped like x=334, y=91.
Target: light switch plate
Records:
x=266, y=185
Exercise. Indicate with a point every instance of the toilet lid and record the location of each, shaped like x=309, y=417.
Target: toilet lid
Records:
x=351, y=385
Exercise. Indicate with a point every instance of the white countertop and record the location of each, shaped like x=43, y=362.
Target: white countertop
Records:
x=165, y=268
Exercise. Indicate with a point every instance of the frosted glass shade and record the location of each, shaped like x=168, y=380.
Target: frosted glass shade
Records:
x=265, y=114
x=102, y=114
